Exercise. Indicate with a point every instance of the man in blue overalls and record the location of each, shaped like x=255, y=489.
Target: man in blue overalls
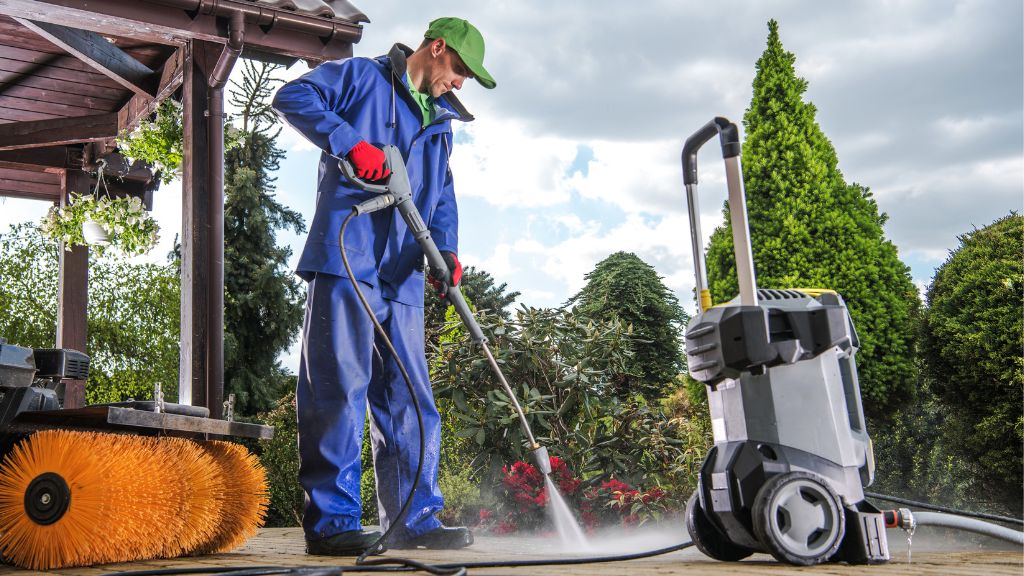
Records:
x=352, y=108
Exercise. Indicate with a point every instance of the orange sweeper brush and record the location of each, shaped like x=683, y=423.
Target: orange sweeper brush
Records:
x=245, y=496
x=82, y=498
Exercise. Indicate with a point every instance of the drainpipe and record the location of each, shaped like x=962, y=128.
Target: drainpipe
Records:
x=215, y=133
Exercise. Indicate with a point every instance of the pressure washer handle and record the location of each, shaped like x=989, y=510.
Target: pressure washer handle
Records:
x=729, y=136
x=349, y=171
x=730, y=140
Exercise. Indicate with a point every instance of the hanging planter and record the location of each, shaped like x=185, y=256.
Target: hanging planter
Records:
x=94, y=234
x=101, y=221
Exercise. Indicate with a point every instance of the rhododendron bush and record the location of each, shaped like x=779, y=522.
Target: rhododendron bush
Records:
x=523, y=500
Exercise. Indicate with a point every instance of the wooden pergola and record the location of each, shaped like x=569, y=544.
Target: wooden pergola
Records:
x=76, y=73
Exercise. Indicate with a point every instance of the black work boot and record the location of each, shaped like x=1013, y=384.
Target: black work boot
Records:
x=440, y=538
x=350, y=543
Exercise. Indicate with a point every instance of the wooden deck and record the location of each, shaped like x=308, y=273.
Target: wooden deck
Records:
x=933, y=554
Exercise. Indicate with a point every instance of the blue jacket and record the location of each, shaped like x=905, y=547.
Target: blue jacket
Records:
x=335, y=106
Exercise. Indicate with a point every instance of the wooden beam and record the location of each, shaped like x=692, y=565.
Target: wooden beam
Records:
x=100, y=54
x=52, y=159
x=34, y=185
x=58, y=131
x=72, y=298
x=172, y=74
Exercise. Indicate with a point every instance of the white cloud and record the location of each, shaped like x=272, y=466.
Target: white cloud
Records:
x=506, y=166
x=963, y=127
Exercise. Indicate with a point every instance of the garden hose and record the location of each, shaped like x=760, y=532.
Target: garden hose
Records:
x=402, y=565
x=946, y=509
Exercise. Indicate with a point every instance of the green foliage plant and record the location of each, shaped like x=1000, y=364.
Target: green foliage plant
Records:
x=133, y=315
x=973, y=342
x=477, y=286
x=810, y=229
x=625, y=288
x=263, y=300
x=280, y=457
x=157, y=142
x=562, y=369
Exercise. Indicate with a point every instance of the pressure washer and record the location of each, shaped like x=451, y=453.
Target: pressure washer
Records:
x=791, y=454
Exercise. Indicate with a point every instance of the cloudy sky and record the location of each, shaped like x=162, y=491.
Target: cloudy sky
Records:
x=575, y=155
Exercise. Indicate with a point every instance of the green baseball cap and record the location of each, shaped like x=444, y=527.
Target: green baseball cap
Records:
x=467, y=41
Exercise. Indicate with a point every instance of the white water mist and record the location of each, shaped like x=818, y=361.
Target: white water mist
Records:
x=569, y=530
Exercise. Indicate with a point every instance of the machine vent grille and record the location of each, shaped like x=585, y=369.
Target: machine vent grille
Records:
x=780, y=294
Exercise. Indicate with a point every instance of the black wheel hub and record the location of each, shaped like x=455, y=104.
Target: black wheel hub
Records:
x=47, y=498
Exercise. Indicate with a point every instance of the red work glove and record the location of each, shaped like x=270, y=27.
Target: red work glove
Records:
x=368, y=160
x=440, y=283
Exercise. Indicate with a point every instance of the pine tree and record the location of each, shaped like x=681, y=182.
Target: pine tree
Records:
x=810, y=229
x=623, y=287
x=479, y=288
x=263, y=301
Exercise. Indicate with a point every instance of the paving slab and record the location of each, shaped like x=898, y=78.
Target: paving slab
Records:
x=941, y=553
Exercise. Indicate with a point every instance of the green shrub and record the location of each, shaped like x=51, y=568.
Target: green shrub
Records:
x=280, y=456
x=461, y=496
x=368, y=480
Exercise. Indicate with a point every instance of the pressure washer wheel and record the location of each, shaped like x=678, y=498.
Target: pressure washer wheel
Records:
x=707, y=538
x=799, y=518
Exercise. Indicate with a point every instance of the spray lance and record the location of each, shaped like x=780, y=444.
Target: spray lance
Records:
x=397, y=192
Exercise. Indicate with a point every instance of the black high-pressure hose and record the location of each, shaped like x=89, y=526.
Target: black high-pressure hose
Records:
x=408, y=382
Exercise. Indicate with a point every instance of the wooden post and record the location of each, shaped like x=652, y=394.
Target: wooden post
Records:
x=201, y=381
x=73, y=295
x=195, y=228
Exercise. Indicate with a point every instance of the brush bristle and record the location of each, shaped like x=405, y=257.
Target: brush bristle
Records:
x=131, y=498
x=144, y=480
x=202, y=480
x=245, y=496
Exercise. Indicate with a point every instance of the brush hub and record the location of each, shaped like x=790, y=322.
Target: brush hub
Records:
x=47, y=498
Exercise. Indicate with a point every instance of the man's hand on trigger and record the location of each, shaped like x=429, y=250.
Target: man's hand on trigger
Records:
x=368, y=161
x=440, y=283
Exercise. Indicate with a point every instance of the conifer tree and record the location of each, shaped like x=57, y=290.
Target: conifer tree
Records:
x=973, y=337
x=263, y=302
x=810, y=229
x=478, y=287
x=623, y=287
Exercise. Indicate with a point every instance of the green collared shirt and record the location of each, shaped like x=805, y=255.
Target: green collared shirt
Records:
x=425, y=101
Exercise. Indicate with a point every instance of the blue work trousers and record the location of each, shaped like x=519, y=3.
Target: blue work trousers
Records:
x=344, y=365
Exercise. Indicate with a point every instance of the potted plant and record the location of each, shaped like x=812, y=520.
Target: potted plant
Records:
x=120, y=223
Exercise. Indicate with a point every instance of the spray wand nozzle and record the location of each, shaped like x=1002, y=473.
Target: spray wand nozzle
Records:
x=540, y=454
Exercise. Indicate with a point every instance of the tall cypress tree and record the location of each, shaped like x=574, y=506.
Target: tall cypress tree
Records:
x=263, y=301
x=810, y=229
